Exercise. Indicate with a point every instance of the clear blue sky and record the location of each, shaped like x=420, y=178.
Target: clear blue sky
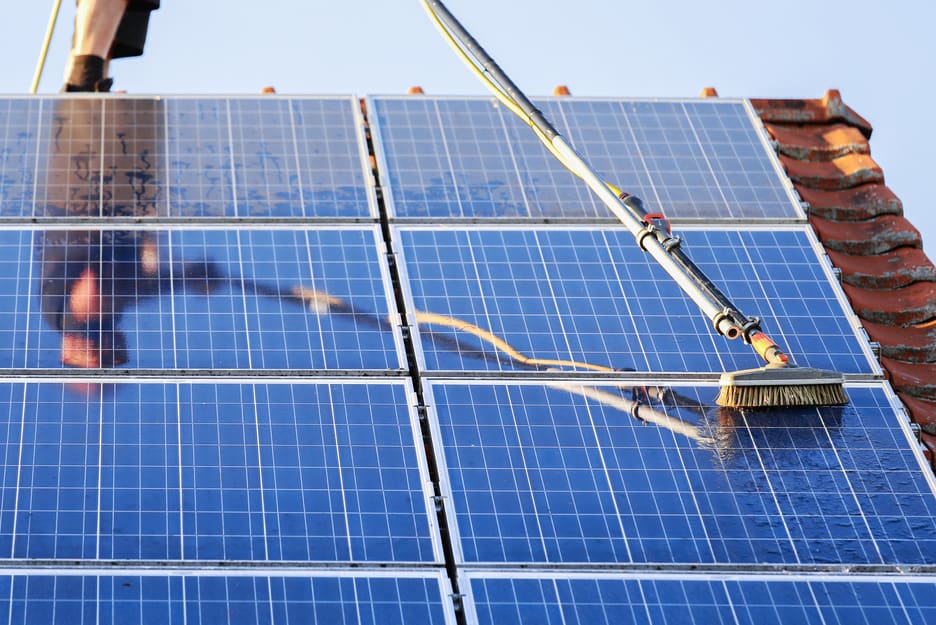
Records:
x=881, y=55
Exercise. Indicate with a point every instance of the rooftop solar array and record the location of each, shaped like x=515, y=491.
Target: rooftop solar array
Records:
x=295, y=360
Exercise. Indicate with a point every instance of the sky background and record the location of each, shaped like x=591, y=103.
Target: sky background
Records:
x=881, y=55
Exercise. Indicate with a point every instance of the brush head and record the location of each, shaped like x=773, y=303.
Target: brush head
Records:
x=781, y=386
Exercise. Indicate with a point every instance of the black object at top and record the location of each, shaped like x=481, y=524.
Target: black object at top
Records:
x=131, y=33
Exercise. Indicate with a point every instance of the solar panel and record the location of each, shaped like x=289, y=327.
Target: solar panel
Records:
x=464, y=157
x=206, y=472
x=591, y=295
x=562, y=473
x=184, y=157
x=64, y=598
x=267, y=157
x=210, y=299
x=674, y=599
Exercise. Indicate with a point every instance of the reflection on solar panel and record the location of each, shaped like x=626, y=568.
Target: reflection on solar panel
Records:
x=449, y=157
x=216, y=299
x=266, y=157
x=677, y=600
x=225, y=402
x=133, y=157
x=592, y=295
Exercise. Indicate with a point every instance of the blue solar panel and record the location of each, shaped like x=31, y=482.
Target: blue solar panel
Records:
x=673, y=600
x=129, y=599
x=267, y=157
x=448, y=157
x=183, y=157
x=553, y=474
x=281, y=472
x=592, y=295
x=202, y=299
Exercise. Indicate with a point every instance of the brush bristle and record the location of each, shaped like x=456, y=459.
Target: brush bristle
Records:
x=776, y=395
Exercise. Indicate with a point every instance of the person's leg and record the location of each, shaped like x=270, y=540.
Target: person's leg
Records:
x=96, y=23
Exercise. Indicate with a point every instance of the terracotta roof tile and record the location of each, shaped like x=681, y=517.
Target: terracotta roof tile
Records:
x=929, y=442
x=909, y=344
x=891, y=270
x=896, y=307
x=913, y=379
x=860, y=203
x=924, y=412
x=818, y=143
x=843, y=172
x=829, y=108
x=874, y=236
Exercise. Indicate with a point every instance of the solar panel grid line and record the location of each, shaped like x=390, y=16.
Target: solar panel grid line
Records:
x=19, y=472
x=290, y=570
x=99, y=486
x=35, y=176
x=295, y=144
x=921, y=576
x=167, y=165
x=232, y=165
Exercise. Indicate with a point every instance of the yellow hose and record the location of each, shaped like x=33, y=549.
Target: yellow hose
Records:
x=500, y=344
x=502, y=96
x=44, y=52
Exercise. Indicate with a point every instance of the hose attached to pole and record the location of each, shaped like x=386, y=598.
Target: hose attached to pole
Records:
x=44, y=52
x=726, y=319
